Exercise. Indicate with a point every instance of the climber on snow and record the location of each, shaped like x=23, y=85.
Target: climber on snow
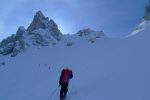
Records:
x=66, y=74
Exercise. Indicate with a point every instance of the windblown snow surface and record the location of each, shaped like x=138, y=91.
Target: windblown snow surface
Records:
x=108, y=69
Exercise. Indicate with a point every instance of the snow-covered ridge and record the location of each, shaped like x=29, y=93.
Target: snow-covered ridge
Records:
x=140, y=27
x=42, y=32
x=90, y=35
x=144, y=23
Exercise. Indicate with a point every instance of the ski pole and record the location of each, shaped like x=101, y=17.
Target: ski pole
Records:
x=53, y=93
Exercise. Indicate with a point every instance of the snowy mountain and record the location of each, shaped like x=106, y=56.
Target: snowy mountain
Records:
x=41, y=24
x=145, y=21
x=13, y=44
x=104, y=68
x=41, y=31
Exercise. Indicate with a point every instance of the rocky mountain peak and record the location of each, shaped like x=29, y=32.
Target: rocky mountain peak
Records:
x=21, y=30
x=90, y=35
x=89, y=32
x=85, y=32
x=40, y=22
x=41, y=32
x=13, y=44
x=39, y=15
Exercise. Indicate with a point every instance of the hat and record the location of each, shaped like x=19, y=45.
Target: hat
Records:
x=67, y=67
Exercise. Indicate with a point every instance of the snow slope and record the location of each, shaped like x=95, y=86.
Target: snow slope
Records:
x=108, y=69
x=104, y=68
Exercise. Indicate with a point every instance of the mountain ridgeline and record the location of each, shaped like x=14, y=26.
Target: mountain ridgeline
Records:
x=145, y=21
x=41, y=32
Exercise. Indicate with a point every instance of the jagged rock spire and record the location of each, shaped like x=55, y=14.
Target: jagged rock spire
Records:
x=21, y=30
x=42, y=22
x=39, y=15
x=13, y=44
x=38, y=22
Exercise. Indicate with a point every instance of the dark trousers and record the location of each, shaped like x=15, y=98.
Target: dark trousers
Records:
x=63, y=90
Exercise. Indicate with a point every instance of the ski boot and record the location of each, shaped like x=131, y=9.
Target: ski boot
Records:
x=62, y=98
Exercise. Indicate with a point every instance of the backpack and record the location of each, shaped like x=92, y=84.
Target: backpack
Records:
x=66, y=76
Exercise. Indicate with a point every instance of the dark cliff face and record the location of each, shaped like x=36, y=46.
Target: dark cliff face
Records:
x=13, y=44
x=147, y=11
x=39, y=21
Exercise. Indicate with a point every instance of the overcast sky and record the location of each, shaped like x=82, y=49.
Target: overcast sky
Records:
x=114, y=17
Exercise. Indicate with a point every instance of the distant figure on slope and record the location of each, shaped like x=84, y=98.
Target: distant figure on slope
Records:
x=66, y=74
